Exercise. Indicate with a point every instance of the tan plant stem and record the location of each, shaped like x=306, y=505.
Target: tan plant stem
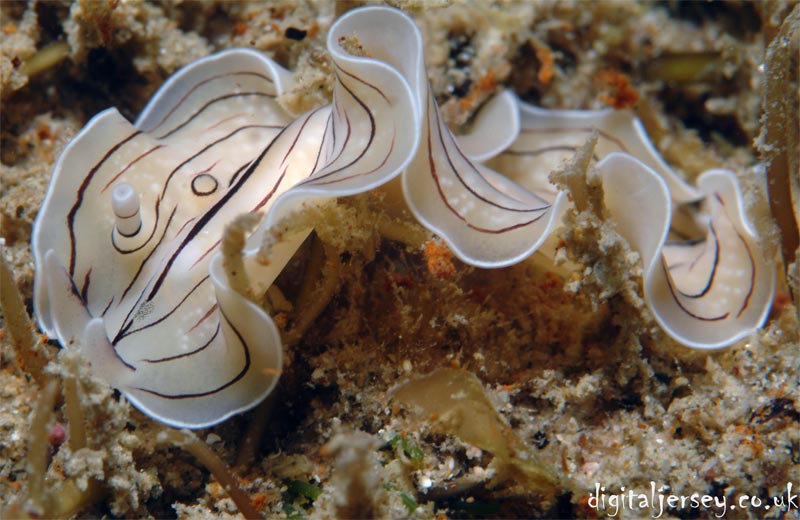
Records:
x=311, y=275
x=575, y=178
x=317, y=290
x=233, y=241
x=72, y=404
x=781, y=135
x=781, y=143
x=191, y=443
x=45, y=58
x=37, y=504
x=29, y=349
x=255, y=432
x=69, y=499
x=405, y=232
x=277, y=301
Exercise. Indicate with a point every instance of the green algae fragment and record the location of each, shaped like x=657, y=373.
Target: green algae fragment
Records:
x=413, y=452
x=302, y=491
x=455, y=402
x=299, y=496
x=408, y=501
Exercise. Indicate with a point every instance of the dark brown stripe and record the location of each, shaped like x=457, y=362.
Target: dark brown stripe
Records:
x=125, y=331
x=79, y=199
x=211, y=213
x=128, y=166
x=297, y=137
x=85, y=290
x=714, y=266
x=315, y=182
x=200, y=84
x=186, y=354
x=222, y=387
x=466, y=185
x=361, y=80
x=204, y=150
x=108, y=306
x=371, y=134
x=205, y=316
x=208, y=104
x=587, y=129
x=205, y=253
x=141, y=267
x=237, y=172
x=271, y=193
x=677, y=300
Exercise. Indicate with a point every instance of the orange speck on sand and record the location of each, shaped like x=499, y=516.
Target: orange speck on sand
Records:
x=489, y=81
x=552, y=281
x=281, y=320
x=756, y=447
x=439, y=258
x=325, y=450
x=782, y=299
x=240, y=28
x=215, y=489
x=546, y=62
x=44, y=132
x=617, y=90
x=393, y=280
x=259, y=500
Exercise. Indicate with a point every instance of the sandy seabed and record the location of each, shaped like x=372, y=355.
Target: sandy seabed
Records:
x=578, y=376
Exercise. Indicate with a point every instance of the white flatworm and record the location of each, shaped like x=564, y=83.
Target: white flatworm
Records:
x=127, y=241
x=134, y=215
x=707, y=290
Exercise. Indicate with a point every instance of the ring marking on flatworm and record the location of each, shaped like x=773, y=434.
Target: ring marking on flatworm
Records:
x=204, y=184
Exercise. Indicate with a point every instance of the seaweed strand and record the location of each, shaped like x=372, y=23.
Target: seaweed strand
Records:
x=780, y=147
x=189, y=442
x=29, y=349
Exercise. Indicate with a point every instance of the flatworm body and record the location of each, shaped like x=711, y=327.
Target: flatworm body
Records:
x=127, y=242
